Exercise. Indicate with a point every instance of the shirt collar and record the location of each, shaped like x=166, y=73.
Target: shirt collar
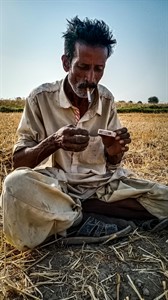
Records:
x=63, y=99
x=98, y=102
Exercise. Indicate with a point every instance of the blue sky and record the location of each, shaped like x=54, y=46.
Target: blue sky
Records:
x=32, y=45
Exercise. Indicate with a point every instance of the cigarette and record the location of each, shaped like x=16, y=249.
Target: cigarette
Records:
x=107, y=132
x=89, y=95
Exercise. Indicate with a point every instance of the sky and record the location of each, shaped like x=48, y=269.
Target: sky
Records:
x=32, y=45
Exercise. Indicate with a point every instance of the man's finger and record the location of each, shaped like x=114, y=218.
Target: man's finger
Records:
x=125, y=141
x=76, y=131
x=121, y=130
x=76, y=139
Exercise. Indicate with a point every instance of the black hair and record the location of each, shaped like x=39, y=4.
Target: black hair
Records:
x=90, y=32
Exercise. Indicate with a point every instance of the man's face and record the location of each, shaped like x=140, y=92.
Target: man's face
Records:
x=86, y=68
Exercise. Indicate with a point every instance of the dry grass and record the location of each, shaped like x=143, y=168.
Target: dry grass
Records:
x=115, y=271
x=148, y=154
x=8, y=126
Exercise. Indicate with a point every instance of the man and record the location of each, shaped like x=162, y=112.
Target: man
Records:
x=60, y=124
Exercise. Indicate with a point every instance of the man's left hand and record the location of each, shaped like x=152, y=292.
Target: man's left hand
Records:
x=117, y=145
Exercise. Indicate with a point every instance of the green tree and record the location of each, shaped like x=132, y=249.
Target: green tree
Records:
x=153, y=99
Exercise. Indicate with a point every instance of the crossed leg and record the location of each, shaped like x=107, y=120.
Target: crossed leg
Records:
x=126, y=209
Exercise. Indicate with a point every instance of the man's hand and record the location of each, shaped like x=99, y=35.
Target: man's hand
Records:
x=117, y=145
x=71, y=138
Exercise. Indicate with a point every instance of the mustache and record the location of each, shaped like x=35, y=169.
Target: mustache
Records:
x=86, y=85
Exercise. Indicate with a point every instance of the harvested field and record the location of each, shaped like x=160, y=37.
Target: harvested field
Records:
x=134, y=267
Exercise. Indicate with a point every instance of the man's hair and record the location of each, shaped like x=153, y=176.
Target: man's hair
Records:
x=90, y=32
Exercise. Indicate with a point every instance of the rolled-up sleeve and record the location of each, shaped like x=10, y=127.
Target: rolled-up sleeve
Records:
x=31, y=129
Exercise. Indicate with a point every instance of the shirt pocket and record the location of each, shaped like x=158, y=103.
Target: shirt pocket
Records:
x=94, y=153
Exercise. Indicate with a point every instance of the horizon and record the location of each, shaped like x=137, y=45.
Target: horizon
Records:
x=32, y=45
x=115, y=100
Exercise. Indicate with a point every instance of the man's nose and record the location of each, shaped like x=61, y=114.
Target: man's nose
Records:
x=90, y=76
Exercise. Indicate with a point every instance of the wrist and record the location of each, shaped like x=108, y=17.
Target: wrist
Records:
x=114, y=159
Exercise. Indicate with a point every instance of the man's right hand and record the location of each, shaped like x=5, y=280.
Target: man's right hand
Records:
x=71, y=138
x=68, y=138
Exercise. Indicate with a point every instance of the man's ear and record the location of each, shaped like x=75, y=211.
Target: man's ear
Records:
x=65, y=62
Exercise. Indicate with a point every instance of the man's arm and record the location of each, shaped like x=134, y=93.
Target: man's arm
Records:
x=31, y=157
x=67, y=138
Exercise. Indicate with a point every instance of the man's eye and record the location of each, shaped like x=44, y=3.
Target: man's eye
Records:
x=83, y=67
x=99, y=69
x=87, y=68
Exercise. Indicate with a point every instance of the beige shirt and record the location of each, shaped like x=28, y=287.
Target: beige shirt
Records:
x=47, y=109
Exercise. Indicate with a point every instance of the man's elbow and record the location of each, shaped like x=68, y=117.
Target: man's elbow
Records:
x=18, y=160
x=15, y=161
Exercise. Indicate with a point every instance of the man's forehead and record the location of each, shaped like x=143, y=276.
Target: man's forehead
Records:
x=83, y=49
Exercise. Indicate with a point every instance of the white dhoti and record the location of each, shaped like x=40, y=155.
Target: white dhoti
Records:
x=39, y=203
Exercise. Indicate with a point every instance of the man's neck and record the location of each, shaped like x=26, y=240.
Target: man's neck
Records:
x=81, y=103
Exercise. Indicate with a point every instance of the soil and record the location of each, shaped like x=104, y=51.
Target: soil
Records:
x=134, y=267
